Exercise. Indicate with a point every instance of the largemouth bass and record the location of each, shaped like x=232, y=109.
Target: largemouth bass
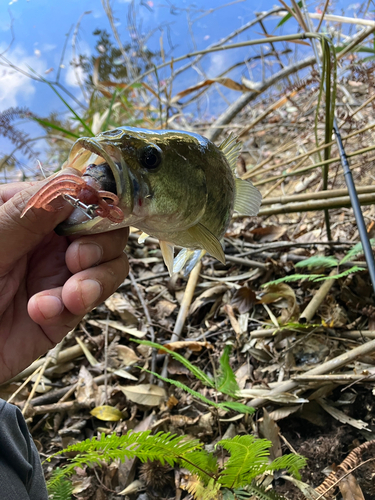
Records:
x=173, y=185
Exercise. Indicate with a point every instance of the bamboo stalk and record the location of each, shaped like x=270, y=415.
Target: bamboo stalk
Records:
x=331, y=365
x=310, y=206
x=321, y=195
x=317, y=299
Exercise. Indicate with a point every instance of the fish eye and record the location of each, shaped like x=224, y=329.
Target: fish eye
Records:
x=150, y=157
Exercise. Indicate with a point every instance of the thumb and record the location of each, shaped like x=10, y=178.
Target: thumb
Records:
x=19, y=236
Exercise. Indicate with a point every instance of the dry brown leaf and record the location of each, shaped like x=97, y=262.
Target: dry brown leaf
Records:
x=226, y=82
x=194, y=346
x=242, y=374
x=268, y=233
x=232, y=318
x=164, y=308
x=107, y=413
x=119, y=326
x=244, y=299
x=208, y=296
x=144, y=394
x=341, y=416
x=350, y=489
x=127, y=355
x=270, y=430
x=274, y=293
x=85, y=386
x=172, y=402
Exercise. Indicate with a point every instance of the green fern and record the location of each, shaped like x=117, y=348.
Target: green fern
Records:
x=259, y=491
x=356, y=250
x=249, y=458
x=354, y=269
x=61, y=488
x=293, y=277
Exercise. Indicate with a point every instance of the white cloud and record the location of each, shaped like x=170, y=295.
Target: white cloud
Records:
x=71, y=76
x=16, y=88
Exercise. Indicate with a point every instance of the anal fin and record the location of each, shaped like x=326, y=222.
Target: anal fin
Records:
x=143, y=238
x=187, y=259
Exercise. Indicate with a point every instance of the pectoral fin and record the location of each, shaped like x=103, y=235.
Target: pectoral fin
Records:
x=248, y=199
x=167, y=250
x=200, y=234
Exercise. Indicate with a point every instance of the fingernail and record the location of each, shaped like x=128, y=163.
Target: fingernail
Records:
x=90, y=254
x=50, y=306
x=91, y=291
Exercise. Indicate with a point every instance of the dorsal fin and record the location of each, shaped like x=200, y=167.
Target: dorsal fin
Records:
x=248, y=199
x=231, y=148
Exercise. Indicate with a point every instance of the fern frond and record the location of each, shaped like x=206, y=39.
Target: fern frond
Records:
x=249, y=456
x=198, y=373
x=318, y=261
x=356, y=250
x=292, y=463
x=59, y=488
x=165, y=447
x=293, y=277
x=259, y=491
x=201, y=463
x=226, y=382
x=200, y=491
x=354, y=269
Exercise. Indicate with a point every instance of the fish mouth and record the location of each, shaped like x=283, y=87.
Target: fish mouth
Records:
x=105, y=164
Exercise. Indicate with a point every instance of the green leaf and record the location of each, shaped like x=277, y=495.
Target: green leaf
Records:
x=226, y=382
x=354, y=269
x=180, y=385
x=197, y=372
x=356, y=250
x=45, y=123
x=288, y=16
x=233, y=405
x=318, y=261
x=292, y=463
x=293, y=277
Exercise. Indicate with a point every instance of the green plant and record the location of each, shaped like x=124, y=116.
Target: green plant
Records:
x=248, y=459
x=319, y=261
x=225, y=381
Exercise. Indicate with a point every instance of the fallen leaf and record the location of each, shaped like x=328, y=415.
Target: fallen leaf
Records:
x=207, y=297
x=270, y=430
x=193, y=345
x=144, y=394
x=107, y=413
x=244, y=299
x=164, y=308
x=268, y=233
x=127, y=355
x=275, y=293
x=341, y=416
x=350, y=489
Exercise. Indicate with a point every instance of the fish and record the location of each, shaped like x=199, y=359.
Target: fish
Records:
x=176, y=186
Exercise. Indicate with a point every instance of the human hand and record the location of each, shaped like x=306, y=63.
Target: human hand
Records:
x=48, y=282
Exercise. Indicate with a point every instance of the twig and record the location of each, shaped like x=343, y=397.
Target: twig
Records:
x=317, y=300
x=47, y=361
x=149, y=321
x=23, y=385
x=331, y=365
x=216, y=128
x=184, y=309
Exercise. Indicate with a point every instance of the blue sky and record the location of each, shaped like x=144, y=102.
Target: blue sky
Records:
x=40, y=28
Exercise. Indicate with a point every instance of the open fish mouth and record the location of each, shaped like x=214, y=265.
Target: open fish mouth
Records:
x=104, y=166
